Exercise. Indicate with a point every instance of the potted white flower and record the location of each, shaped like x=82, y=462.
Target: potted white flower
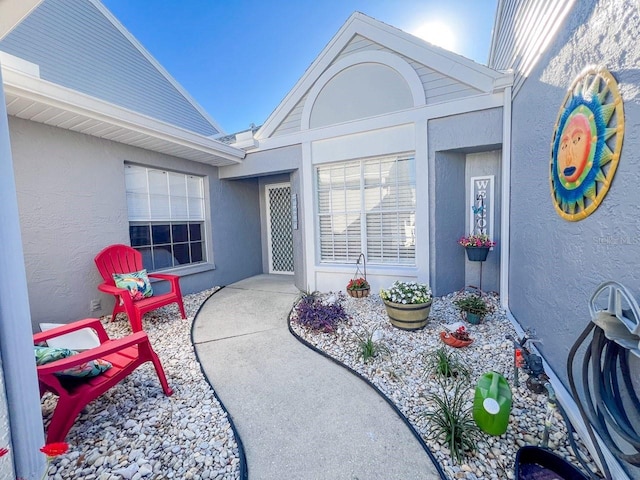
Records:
x=408, y=304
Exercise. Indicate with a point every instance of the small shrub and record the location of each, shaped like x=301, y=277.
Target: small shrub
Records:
x=445, y=363
x=452, y=421
x=313, y=313
x=369, y=348
x=307, y=296
x=473, y=304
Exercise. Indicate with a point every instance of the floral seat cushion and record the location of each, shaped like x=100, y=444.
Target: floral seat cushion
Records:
x=91, y=368
x=137, y=283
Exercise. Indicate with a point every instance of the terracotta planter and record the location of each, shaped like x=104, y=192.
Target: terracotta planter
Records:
x=359, y=292
x=408, y=316
x=453, y=341
x=477, y=254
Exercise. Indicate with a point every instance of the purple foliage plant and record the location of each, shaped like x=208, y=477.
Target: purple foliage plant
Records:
x=318, y=315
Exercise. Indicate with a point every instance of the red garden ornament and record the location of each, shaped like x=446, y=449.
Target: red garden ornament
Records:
x=458, y=339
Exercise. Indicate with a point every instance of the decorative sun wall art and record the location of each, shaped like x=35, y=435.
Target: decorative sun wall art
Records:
x=586, y=144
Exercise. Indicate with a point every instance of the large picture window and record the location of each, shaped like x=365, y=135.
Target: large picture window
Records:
x=166, y=216
x=367, y=206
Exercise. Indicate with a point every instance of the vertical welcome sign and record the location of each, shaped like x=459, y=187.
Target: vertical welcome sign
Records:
x=481, y=193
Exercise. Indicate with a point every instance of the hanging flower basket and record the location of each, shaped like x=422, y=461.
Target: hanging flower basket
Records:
x=358, y=287
x=477, y=254
x=358, y=292
x=477, y=246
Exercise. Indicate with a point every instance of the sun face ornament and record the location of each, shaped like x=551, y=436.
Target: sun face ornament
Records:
x=586, y=144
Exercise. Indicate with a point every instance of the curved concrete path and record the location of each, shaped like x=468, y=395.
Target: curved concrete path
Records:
x=299, y=415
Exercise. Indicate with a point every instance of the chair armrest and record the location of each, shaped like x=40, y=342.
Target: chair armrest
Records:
x=111, y=289
x=107, y=348
x=92, y=323
x=164, y=276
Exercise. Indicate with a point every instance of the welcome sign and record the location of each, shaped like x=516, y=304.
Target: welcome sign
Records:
x=481, y=192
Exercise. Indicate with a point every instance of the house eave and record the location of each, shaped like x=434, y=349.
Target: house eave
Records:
x=32, y=98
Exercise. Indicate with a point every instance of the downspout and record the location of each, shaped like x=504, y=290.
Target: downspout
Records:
x=505, y=195
x=16, y=342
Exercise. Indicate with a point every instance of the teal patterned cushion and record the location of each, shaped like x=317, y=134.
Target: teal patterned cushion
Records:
x=136, y=282
x=92, y=368
x=89, y=369
x=46, y=355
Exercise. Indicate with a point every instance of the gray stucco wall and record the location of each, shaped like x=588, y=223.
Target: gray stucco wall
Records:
x=556, y=265
x=450, y=140
x=449, y=216
x=71, y=197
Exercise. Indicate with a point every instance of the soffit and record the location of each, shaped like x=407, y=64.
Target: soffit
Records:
x=39, y=101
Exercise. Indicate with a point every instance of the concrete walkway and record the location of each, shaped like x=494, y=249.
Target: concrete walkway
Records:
x=299, y=415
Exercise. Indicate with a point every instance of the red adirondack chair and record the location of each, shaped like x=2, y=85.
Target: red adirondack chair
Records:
x=125, y=354
x=124, y=259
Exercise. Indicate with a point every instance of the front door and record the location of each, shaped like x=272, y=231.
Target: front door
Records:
x=279, y=229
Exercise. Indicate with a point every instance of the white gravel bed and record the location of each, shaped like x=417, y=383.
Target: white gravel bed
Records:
x=400, y=375
x=134, y=431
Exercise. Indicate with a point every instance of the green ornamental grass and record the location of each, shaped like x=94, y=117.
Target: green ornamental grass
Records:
x=451, y=422
x=445, y=363
x=368, y=347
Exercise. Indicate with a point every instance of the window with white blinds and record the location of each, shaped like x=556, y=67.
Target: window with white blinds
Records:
x=166, y=216
x=367, y=206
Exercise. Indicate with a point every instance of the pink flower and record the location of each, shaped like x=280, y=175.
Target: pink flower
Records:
x=477, y=241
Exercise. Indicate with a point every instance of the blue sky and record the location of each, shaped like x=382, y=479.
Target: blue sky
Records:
x=239, y=58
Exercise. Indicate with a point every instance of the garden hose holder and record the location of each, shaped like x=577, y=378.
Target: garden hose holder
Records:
x=531, y=362
x=606, y=396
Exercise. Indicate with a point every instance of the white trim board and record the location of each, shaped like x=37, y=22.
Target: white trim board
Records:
x=413, y=115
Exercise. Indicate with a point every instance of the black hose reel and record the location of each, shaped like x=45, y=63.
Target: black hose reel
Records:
x=606, y=397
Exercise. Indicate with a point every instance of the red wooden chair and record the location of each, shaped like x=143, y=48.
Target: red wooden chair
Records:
x=124, y=259
x=125, y=354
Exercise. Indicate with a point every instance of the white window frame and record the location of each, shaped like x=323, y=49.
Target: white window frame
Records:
x=188, y=208
x=361, y=211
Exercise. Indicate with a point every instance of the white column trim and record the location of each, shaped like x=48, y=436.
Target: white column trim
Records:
x=505, y=196
x=310, y=226
x=16, y=341
x=423, y=232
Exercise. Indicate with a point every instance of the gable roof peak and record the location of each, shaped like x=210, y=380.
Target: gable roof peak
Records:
x=448, y=63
